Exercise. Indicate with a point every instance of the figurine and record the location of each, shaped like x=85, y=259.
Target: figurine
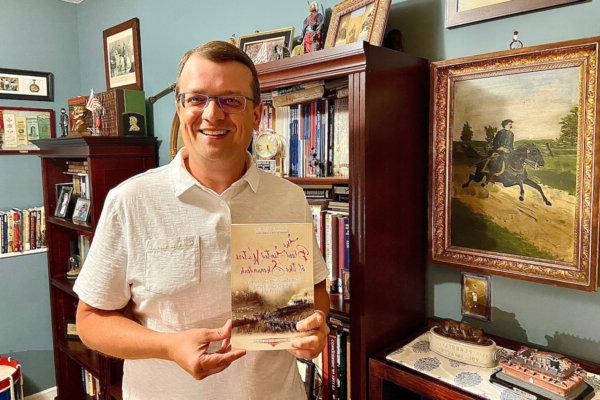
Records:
x=312, y=35
x=461, y=331
x=94, y=105
x=64, y=122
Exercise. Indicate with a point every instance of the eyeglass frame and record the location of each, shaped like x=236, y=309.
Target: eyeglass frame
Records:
x=181, y=100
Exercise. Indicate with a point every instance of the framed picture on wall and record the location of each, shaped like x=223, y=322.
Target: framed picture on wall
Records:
x=515, y=163
x=461, y=12
x=123, y=56
x=21, y=126
x=17, y=84
x=267, y=46
x=356, y=20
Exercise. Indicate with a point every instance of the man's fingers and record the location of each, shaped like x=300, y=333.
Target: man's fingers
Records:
x=312, y=322
x=307, y=342
x=306, y=354
x=215, y=335
x=225, y=346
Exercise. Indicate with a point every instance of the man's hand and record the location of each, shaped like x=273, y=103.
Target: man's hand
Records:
x=189, y=350
x=308, y=347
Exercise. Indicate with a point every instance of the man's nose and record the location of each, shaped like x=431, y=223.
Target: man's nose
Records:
x=213, y=110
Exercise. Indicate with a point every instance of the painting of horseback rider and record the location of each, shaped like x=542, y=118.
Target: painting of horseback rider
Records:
x=502, y=145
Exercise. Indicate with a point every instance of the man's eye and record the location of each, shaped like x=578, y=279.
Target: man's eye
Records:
x=231, y=101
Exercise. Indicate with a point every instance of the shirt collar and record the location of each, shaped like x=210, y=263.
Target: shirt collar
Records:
x=182, y=180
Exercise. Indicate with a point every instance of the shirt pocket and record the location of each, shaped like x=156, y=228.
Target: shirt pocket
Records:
x=172, y=264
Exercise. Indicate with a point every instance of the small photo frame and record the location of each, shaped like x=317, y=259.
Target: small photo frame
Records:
x=358, y=20
x=58, y=187
x=62, y=204
x=71, y=329
x=267, y=46
x=476, y=296
x=18, y=84
x=123, y=56
x=81, y=211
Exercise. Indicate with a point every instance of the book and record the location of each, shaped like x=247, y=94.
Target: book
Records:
x=272, y=284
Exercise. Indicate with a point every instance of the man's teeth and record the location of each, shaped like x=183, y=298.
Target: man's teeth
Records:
x=214, y=133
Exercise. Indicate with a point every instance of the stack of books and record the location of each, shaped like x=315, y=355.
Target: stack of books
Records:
x=22, y=230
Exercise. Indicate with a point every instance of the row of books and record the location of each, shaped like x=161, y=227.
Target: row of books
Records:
x=22, y=230
x=90, y=384
x=314, y=132
x=332, y=229
x=18, y=128
x=81, y=183
x=335, y=365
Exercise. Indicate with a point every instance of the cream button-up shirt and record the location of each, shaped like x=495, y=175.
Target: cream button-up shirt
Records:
x=162, y=242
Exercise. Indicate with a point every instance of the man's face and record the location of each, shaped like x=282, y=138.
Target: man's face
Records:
x=509, y=126
x=211, y=134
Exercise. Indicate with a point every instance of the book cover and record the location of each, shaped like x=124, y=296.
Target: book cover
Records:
x=32, y=127
x=21, y=124
x=271, y=283
x=43, y=126
x=10, y=131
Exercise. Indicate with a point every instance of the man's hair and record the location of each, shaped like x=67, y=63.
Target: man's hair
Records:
x=506, y=122
x=220, y=52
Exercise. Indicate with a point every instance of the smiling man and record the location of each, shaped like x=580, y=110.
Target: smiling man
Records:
x=161, y=250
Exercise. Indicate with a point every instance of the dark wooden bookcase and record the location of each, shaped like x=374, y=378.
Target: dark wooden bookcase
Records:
x=110, y=160
x=388, y=186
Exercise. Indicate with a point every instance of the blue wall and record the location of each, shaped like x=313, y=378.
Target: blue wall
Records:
x=40, y=36
x=564, y=320
x=67, y=40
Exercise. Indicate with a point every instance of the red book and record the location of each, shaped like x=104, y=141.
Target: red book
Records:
x=17, y=231
x=325, y=371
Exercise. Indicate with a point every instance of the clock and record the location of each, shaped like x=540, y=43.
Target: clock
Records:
x=268, y=146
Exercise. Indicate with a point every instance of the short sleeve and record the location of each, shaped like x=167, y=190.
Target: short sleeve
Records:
x=102, y=282
x=320, y=271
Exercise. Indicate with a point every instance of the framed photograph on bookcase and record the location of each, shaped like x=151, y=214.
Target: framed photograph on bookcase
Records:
x=355, y=20
x=81, y=211
x=267, y=46
x=19, y=84
x=514, y=160
x=123, y=56
x=461, y=12
x=62, y=205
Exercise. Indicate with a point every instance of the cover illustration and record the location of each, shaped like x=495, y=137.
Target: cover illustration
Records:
x=271, y=283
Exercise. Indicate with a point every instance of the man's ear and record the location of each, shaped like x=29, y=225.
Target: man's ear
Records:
x=257, y=114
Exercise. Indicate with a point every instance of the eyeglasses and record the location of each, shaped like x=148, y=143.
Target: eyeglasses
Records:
x=231, y=103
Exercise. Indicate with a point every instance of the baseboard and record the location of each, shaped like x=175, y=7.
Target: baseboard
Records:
x=48, y=394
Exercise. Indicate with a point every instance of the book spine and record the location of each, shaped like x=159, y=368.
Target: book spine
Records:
x=333, y=371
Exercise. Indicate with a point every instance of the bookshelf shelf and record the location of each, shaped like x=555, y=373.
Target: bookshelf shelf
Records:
x=19, y=152
x=77, y=351
x=24, y=253
x=116, y=392
x=70, y=224
x=387, y=118
x=110, y=161
x=320, y=181
x=64, y=284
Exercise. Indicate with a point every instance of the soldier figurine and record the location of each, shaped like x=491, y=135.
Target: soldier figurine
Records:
x=64, y=122
x=312, y=35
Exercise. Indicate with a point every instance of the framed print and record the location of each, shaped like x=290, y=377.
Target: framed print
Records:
x=514, y=187
x=58, y=188
x=123, y=56
x=81, y=211
x=71, y=329
x=62, y=206
x=19, y=84
x=354, y=20
x=461, y=12
x=476, y=296
x=20, y=127
x=268, y=46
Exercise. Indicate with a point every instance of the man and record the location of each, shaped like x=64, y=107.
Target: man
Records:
x=162, y=248
x=504, y=140
x=502, y=145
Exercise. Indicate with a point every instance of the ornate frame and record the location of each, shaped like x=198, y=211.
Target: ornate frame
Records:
x=454, y=17
x=377, y=29
x=581, y=273
x=111, y=33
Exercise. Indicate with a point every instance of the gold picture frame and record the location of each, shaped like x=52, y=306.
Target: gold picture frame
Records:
x=353, y=20
x=461, y=12
x=527, y=209
x=476, y=296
